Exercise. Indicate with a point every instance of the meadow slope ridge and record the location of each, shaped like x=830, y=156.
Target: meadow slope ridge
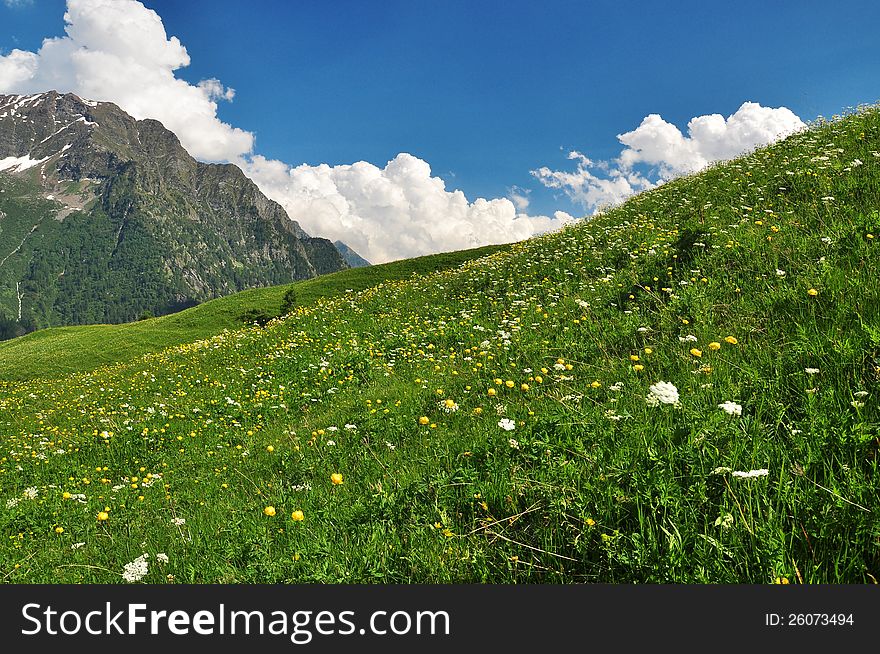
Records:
x=683, y=389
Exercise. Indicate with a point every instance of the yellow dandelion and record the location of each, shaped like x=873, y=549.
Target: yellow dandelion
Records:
x=731, y=339
x=424, y=420
x=269, y=511
x=813, y=292
x=492, y=392
x=102, y=516
x=696, y=352
x=336, y=478
x=714, y=345
x=297, y=516
x=638, y=367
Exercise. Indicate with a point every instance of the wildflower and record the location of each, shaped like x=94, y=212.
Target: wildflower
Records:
x=724, y=521
x=178, y=522
x=731, y=408
x=336, y=478
x=76, y=546
x=509, y=383
x=638, y=367
x=616, y=386
x=762, y=472
x=161, y=557
x=137, y=569
x=30, y=493
x=596, y=384
x=721, y=470
x=648, y=350
x=690, y=338
x=811, y=371
x=491, y=392
x=269, y=511
x=730, y=339
x=513, y=443
x=662, y=393
x=507, y=424
x=424, y=420
x=102, y=516
x=856, y=404
x=523, y=387
x=298, y=516
x=861, y=394
x=59, y=530
x=449, y=406
x=714, y=345
x=270, y=449
x=812, y=292
x=696, y=352
x=590, y=522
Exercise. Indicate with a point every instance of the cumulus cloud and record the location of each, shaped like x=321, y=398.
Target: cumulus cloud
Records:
x=118, y=51
x=394, y=212
x=662, y=149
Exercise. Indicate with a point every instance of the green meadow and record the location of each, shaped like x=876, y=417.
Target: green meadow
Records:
x=683, y=389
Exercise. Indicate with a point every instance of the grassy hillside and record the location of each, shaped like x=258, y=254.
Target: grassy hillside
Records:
x=61, y=350
x=682, y=390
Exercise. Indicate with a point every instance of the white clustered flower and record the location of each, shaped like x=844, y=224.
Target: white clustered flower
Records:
x=30, y=493
x=662, y=393
x=507, y=424
x=351, y=427
x=178, y=522
x=811, y=371
x=856, y=404
x=762, y=472
x=616, y=387
x=76, y=546
x=721, y=470
x=861, y=394
x=731, y=408
x=161, y=557
x=513, y=443
x=690, y=338
x=137, y=569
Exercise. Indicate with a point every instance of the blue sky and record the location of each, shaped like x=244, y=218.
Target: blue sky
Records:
x=486, y=92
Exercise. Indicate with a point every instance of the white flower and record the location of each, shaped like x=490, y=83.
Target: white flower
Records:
x=762, y=472
x=161, y=557
x=30, y=493
x=721, y=470
x=178, y=522
x=616, y=387
x=507, y=424
x=780, y=273
x=826, y=240
x=351, y=427
x=860, y=394
x=662, y=392
x=513, y=443
x=811, y=371
x=732, y=408
x=331, y=443
x=724, y=521
x=76, y=546
x=12, y=502
x=690, y=338
x=856, y=404
x=137, y=569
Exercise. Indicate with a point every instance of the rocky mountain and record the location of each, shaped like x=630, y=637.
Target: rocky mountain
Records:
x=104, y=218
x=352, y=258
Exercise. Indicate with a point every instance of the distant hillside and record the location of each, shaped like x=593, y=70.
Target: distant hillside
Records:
x=351, y=257
x=104, y=218
x=682, y=390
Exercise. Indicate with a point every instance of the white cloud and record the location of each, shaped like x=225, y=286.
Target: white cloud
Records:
x=663, y=148
x=394, y=212
x=118, y=51
x=12, y=4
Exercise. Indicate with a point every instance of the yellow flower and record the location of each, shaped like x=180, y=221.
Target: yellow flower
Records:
x=509, y=383
x=523, y=387
x=638, y=367
x=813, y=292
x=633, y=357
x=270, y=449
x=59, y=530
x=590, y=522
x=714, y=345
x=596, y=384
x=696, y=352
x=539, y=379
x=269, y=511
x=450, y=403
x=66, y=495
x=497, y=381
x=298, y=516
x=103, y=515
x=730, y=339
x=648, y=350
x=424, y=420
x=492, y=392
x=336, y=478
